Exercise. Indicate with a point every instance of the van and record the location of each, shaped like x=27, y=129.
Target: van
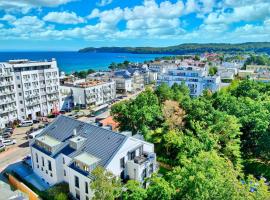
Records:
x=26, y=123
x=34, y=134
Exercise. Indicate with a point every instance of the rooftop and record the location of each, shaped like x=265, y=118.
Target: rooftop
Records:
x=100, y=143
x=50, y=141
x=87, y=159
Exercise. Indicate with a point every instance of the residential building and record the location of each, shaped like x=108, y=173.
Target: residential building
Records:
x=28, y=89
x=68, y=151
x=90, y=93
x=37, y=87
x=196, y=78
x=8, y=109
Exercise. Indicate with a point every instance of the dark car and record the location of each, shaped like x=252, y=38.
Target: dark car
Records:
x=8, y=130
x=35, y=121
x=62, y=111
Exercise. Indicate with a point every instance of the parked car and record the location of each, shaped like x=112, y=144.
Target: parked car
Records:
x=32, y=129
x=62, y=111
x=6, y=135
x=10, y=130
x=8, y=142
x=36, y=121
x=26, y=123
x=2, y=146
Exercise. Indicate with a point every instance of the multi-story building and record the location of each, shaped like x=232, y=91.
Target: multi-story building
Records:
x=91, y=93
x=37, y=87
x=68, y=150
x=8, y=109
x=196, y=78
x=28, y=89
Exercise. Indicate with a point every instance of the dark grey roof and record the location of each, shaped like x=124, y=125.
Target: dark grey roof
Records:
x=101, y=143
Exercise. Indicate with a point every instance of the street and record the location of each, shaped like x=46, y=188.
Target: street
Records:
x=18, y=151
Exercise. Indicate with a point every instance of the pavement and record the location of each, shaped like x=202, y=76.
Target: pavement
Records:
x=17, y=152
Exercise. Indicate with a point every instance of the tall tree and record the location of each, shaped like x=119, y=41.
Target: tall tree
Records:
x=105, y=185
x=134, y=191
x=159, y=189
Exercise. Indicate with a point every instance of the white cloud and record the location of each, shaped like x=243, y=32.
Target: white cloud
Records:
x=25, y=5
x=104, y=2
x=63, y=18
x=248, y=11
x=8, y=18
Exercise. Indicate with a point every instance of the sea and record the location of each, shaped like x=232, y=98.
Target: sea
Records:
x=74, y=61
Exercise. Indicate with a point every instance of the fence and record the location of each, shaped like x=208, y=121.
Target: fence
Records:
x=22, y=187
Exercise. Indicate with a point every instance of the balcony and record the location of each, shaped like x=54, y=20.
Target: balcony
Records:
x=142, y=166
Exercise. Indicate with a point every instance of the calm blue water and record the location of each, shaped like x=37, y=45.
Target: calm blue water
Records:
x=74, y=61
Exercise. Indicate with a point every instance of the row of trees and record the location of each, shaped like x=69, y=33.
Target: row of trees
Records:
x=116, y=66
x=84, y=73
x=207, y=140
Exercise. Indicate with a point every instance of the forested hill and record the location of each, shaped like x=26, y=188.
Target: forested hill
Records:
x=191, y=48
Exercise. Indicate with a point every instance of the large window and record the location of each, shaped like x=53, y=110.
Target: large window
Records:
x=86, y=187
x=122, y=162
x=77, y=184
x=49, y=165
x=36, y=158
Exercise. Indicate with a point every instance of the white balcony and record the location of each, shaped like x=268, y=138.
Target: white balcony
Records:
x=142, y=166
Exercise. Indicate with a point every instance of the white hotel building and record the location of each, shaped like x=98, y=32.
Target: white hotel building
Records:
x=68, y=150
x=31, y=86
x=196, y=78
x=90, y=93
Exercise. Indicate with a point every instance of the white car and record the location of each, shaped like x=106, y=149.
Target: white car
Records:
x=26, y=123
x=9, y=142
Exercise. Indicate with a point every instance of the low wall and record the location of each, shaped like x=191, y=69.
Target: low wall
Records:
x=22, y=187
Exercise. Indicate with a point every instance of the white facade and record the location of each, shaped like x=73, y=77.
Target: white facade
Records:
x=70, y=161
x=92, y=94
x=196, y=78
x=37, y=88
x=123, y=84
x=8, y=109
x=28, y=89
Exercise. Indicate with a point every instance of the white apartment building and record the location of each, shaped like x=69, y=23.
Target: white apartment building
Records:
x=8, y=109
x=196, y=78
x=68, y=151
x=37, y=87
x=28, y=89
x=91, y=93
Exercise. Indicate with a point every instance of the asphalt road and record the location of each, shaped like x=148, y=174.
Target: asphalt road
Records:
x=17, y=152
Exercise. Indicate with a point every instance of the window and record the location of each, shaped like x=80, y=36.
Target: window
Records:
x=18, y=77
x=36, y=158
x=20, y=94
x=63, y=160
x=77, y=184
x=21, y=102
x=86, y=198
x=49, y=165
x=42, y=161
x=77, y=194
x=122, y=162
x=132, y=155
x=19, y=86
x=86, y=187
x=65, y=174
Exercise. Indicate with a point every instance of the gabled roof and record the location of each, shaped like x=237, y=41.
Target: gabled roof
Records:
x=100, y=142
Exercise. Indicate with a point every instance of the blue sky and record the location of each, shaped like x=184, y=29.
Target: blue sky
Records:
x=74, y=24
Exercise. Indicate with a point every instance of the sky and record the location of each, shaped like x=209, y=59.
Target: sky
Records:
x=74, y=24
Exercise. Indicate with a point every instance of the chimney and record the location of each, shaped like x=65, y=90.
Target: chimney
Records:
x=74, y=132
